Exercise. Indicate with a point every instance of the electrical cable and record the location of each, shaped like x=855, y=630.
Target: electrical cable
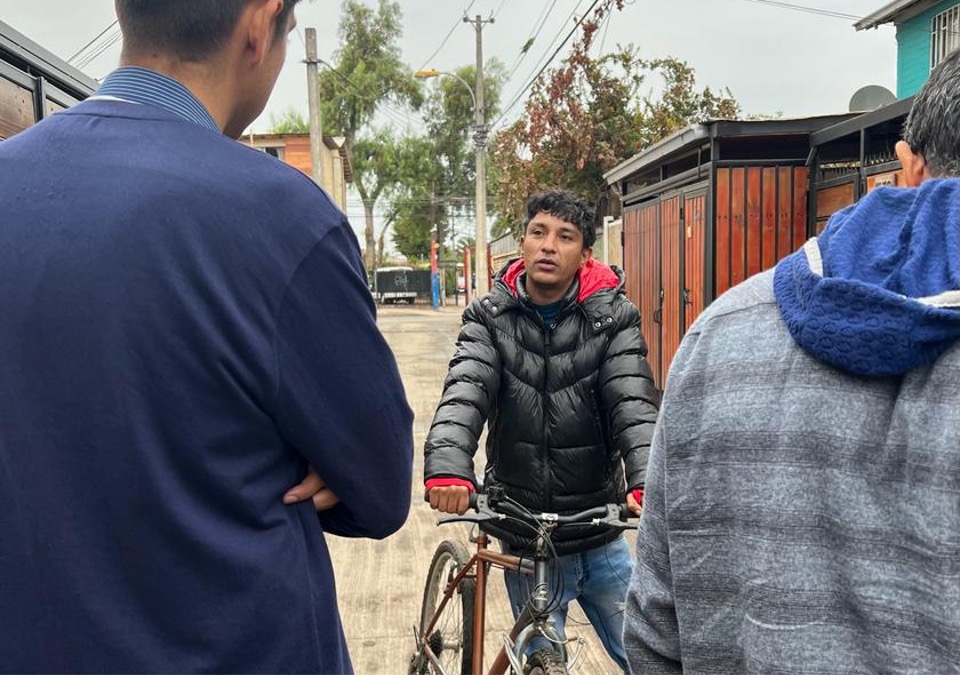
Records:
x=396, y=115
x=570, y=17
x=530, y=83
x=606, y=29
x=804, y=8
x=443, y=43
x=402, y=118
x=531, y=40
x=94, y=54
x=86, y=46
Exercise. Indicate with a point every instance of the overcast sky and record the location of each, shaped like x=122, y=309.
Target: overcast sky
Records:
x=773, y=59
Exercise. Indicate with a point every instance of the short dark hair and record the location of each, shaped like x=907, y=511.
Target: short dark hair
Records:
x=566, y=206
x=192, y=30
x=932, y=128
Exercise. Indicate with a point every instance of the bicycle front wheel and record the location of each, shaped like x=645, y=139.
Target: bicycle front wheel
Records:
x=451, y=639
x=545, y=662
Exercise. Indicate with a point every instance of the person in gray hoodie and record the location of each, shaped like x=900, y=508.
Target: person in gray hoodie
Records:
x=802, y=506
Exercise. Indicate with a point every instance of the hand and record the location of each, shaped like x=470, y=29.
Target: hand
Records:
x=633, y=504
x=312, y=487
x=450, y=499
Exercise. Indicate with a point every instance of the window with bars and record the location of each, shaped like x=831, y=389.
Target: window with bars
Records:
x=944, y=35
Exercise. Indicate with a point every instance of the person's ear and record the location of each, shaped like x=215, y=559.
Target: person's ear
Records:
x=585, y=255
x=260, y=21
x=913, y=163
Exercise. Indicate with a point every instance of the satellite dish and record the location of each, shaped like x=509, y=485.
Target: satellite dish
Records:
x=871, y=97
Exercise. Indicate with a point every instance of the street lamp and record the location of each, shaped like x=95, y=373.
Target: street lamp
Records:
x=480, y=148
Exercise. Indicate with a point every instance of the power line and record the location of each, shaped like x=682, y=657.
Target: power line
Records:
x=570, y=17
x=804, y=8
x=401, y=116
x=770, y=3
x=544, y=57
x=529, y=84
x=86, y=46
x=606, y=29
x=531, y=40
x=94, y=54
x=443, y=43
x=395, y=115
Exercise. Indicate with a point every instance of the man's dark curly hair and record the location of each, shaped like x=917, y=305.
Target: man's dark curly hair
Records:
x=566, y=206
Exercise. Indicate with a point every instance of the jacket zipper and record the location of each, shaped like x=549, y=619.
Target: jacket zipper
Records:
x=546, y=449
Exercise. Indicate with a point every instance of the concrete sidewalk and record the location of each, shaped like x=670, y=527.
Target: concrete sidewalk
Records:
x=380, y=584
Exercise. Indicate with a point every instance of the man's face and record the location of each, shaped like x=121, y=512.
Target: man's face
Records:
x=553, y=252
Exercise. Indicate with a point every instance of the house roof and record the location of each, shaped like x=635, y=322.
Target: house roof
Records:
x=337, y=144
x=696, y=134
x=17, y=47
x=864, y=121
x=897, y=12
x=334, y=143
x=662, y=148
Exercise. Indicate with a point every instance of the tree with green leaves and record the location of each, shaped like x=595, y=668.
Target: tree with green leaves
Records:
x=290, y=122
x=681, y=103
x=376, y=161
x=437, y=183
x=587, y=115
x=367, y=73
x=415, y=209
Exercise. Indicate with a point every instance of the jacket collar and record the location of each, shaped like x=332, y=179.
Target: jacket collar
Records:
x=586, y=292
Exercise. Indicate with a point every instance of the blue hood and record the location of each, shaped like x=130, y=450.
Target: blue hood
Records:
x=876, y=293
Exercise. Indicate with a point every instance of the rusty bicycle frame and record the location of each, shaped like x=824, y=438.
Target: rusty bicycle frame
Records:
x=535, y=619
x=478, y=568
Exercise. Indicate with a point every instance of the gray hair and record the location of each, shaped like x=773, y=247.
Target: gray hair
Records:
x=932, y=128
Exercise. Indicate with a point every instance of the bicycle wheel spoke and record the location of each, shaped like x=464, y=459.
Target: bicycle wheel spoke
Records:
x=450, y=639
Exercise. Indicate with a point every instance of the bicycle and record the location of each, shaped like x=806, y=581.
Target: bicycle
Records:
x=449, y=636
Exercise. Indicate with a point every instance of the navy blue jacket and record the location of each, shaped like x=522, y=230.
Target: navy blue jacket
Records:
x=184, y=326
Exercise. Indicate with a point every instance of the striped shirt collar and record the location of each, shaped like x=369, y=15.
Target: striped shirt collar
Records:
x=140, y=85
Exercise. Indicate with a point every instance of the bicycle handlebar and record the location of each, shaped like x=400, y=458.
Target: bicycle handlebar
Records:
x=611, y=516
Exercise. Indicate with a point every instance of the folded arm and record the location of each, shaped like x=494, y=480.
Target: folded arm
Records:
x=340, y=401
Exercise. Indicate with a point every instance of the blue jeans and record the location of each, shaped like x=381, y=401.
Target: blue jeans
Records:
x=597, y=579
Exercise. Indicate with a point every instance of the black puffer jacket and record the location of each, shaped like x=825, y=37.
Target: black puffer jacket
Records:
x=568, y=408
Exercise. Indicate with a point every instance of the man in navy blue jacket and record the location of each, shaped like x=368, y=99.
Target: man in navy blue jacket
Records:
x=185, y=328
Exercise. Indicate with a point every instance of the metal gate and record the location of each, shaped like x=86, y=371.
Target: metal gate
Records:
x=761, y=218
x=664, y=260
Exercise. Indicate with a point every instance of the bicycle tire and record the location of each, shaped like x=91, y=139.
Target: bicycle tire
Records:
x=545, y=662
x=451, y=639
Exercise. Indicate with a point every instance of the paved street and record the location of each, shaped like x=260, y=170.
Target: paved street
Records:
x=380, y=584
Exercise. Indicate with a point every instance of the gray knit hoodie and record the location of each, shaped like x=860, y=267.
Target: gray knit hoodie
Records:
x=800, y=517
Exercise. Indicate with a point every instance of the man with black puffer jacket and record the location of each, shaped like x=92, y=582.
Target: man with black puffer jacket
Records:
x=553, y=358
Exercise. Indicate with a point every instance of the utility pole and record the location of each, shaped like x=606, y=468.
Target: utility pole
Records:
x=313, y=96
x=480, y=146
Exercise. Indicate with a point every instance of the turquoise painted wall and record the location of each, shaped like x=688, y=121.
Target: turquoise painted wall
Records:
x=913, y=49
